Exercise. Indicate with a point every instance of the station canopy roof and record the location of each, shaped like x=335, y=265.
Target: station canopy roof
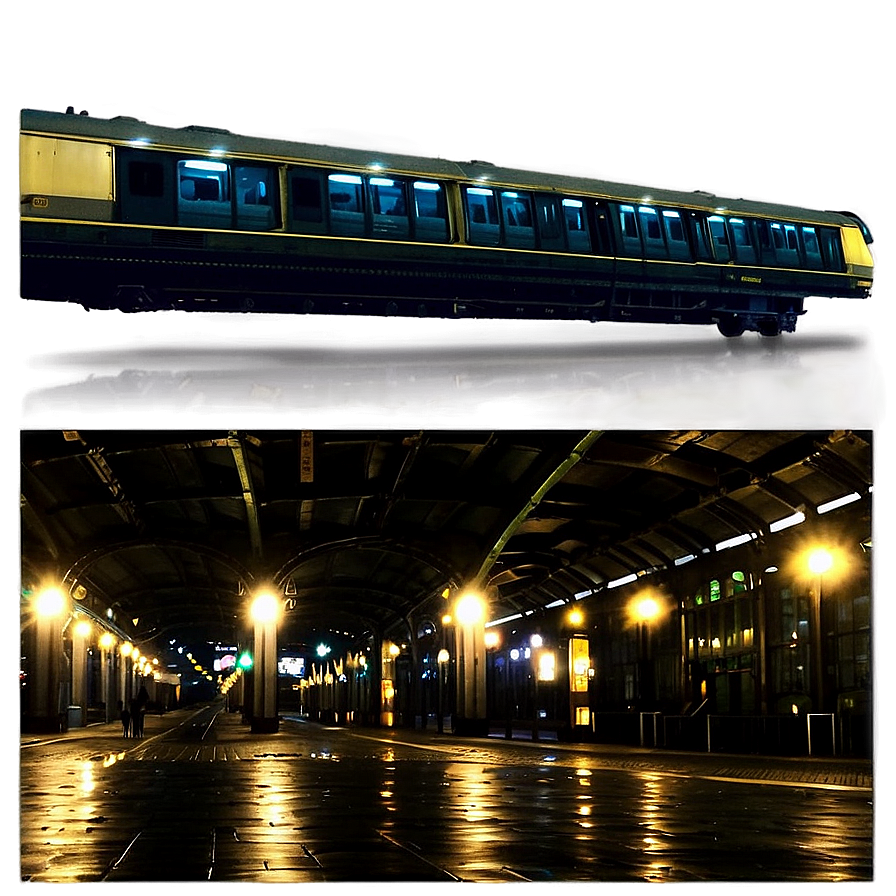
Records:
x=364, y=531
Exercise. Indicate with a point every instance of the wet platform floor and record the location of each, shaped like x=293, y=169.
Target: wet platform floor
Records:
x=201, y=798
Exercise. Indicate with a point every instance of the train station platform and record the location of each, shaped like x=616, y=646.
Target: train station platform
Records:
x=201, y=797
x=815, y=771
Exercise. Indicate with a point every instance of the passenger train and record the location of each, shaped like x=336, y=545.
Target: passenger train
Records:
x=116, y=213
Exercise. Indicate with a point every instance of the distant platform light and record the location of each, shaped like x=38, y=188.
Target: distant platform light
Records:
x=735, y=541
x=625, y=580
x=838, y=502
x=793, y=520
x=680, y=561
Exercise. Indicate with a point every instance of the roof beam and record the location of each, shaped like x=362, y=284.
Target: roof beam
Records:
x=481, y=576
x=237, y=445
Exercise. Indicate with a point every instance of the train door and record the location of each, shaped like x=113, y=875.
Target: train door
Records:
x=145, y=187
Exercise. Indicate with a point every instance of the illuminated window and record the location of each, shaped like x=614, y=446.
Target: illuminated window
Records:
x=715, y=590
x=741, y=239
x=627, y=224
x=482, y=216
x=718, y=237
x=650, y=223
x=811, y=247
x=674, y=227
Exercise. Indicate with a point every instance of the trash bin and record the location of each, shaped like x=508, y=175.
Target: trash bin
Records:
x=74, y=717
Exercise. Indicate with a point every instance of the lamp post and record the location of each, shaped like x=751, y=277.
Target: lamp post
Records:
x=51, y=608
x=107, y=653
x=535, y=646
x=492, y=641
x=443, y=666
x=470, y=616
x=820, y=561
x=645, y=609
x=265, y=612
x=80, y=638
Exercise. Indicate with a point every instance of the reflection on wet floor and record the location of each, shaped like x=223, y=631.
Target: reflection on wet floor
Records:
x=314, y=805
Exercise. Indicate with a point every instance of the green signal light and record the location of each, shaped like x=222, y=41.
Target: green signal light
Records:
x=245, y=661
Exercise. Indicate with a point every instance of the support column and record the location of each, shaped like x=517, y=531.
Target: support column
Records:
x=265, y=718
x=124, y=678
x=45, y=713
x=107, y=670
x=472, y=717
x=81, y=632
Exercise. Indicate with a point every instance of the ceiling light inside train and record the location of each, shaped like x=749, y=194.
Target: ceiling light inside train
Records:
x=204, y=165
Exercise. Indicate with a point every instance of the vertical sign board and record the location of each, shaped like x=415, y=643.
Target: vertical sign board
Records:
x=306, y=456
x=579, y=661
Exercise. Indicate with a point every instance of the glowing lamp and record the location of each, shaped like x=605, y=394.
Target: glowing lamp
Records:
x=50, y=602
x=820, y=561
x=470, y=609
x=265, y=608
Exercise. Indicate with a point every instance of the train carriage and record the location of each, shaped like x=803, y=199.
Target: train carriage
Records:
x=120, y=214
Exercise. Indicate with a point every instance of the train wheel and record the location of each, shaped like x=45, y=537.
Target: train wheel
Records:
x=731, y=325
x=770, y=326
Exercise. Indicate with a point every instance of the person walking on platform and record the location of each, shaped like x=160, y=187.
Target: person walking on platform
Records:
x=125, y=716
x=138, y=708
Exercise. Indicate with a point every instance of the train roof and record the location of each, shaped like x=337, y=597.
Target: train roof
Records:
x=126, y=130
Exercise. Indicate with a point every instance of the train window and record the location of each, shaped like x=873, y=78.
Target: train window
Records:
x=674, y=227
x=431, y=216
x=203, y=193
x=764, y=242
x=482, y=216
x=145, y=186
x=676, y=239
x=811, y=248
x=516, y=210
x=830, y=248
x=146, y=179
x=697, y=226
x=650, y=223
x=255, y=189
x=718, y=235
x=628, y=231
x=576, y=225
x=345, y=197
x=784, y=239
x=549, y=218
x=627, y=222
x=741, y=241
x=389, y=206
x=649, y=219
